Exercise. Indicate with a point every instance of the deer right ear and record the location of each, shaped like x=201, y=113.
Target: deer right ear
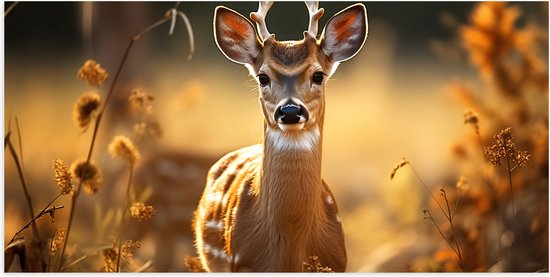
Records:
x=236, y=36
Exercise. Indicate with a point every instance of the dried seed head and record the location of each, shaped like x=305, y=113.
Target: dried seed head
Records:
x=109, y=260
x=505, y=148
x=470, y=117
x=88, y=174
x=401, y=164
x=313, y=265
x=148, y=129
x=522, y=158
x=93, y=73
x=123, y=148
x=127, y=249
x=142, y=212
x=62, y=177
x=193, y=264
x=110, y=255
x=85, y=109
x=141, y=100
x=57, y=240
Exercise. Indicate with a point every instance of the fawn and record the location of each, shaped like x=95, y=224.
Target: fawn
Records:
x=265, y=207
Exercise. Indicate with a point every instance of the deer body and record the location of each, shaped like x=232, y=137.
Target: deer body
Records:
x=265, y=207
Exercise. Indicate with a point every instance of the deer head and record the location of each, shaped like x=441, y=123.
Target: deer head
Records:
x=291, y=74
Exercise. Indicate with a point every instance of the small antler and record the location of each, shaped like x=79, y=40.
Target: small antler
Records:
x=314, y=14
x=259, y=18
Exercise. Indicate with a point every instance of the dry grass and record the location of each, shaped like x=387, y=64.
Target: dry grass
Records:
x=500, y=199
x=491, y=213
x=34, y=251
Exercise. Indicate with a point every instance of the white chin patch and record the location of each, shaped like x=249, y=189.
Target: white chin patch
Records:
x=291, y=127
x=299, y=140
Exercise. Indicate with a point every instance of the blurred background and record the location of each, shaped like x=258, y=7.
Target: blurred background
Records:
x=403, y=96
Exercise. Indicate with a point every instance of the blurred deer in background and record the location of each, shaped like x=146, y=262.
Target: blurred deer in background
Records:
x=265, y=207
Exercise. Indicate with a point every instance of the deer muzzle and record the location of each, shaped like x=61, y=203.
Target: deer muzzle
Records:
x=291, y=116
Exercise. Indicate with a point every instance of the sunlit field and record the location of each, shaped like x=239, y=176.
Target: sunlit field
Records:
x=435, y=141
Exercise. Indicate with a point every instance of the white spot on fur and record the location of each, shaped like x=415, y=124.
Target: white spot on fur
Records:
x=338, y=219
x=299, y=141
x=330, y=201
x=234, y=259
x=214, y=224
x=214, y=197
x=216, y=252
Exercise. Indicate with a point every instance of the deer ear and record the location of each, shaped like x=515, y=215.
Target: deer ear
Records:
x=235, y=36
x=345, y=33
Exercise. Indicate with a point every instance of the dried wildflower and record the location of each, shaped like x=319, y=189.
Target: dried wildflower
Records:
x=401, y=164
x=313, y=265
x=504, y=148
x=141, y=100
x=147, y=129
x=85, y=109
x=122, y=147
x=110, y=260
x=110, y=255
x=522, y=158
x=88, y=174
x=127, y=249
x=141, y=212
x=193, y=264
x=57, y=240
x=62, y=177
x=93, y=73
x=470, y=117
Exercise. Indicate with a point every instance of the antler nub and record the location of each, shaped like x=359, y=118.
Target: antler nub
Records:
x=259, y=18
x=314, y=14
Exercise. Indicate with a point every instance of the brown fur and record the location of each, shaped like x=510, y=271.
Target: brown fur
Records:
x=265, y=207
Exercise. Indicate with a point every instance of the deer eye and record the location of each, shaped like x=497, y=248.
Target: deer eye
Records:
x=318, y=77
x=263, y=79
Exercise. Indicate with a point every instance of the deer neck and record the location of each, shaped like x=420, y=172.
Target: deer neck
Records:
x=290, y=188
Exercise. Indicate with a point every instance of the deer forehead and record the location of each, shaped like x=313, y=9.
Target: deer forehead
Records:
x=292, y=58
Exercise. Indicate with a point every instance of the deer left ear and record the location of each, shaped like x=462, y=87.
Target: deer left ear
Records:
x=345, y=33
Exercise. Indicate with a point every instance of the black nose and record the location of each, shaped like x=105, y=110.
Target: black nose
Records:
x=289, y=113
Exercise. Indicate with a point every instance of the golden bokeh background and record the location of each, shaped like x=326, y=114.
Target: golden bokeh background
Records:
x=397, y=98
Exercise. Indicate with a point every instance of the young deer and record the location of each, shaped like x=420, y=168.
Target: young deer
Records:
x=265, y=207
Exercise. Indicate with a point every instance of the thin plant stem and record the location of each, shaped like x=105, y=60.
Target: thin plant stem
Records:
x=85, y=256
x=447, y=214
x=133, y=39
x=430, y=192
x=429, y=217
x=512, y=197
x=71, y=216
x=20, y=142
x=41, y=213
x=486, y=178
x=10, y=8
x=145, y=266
x=23, y=183
x=124, y=212
x=453, y=229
